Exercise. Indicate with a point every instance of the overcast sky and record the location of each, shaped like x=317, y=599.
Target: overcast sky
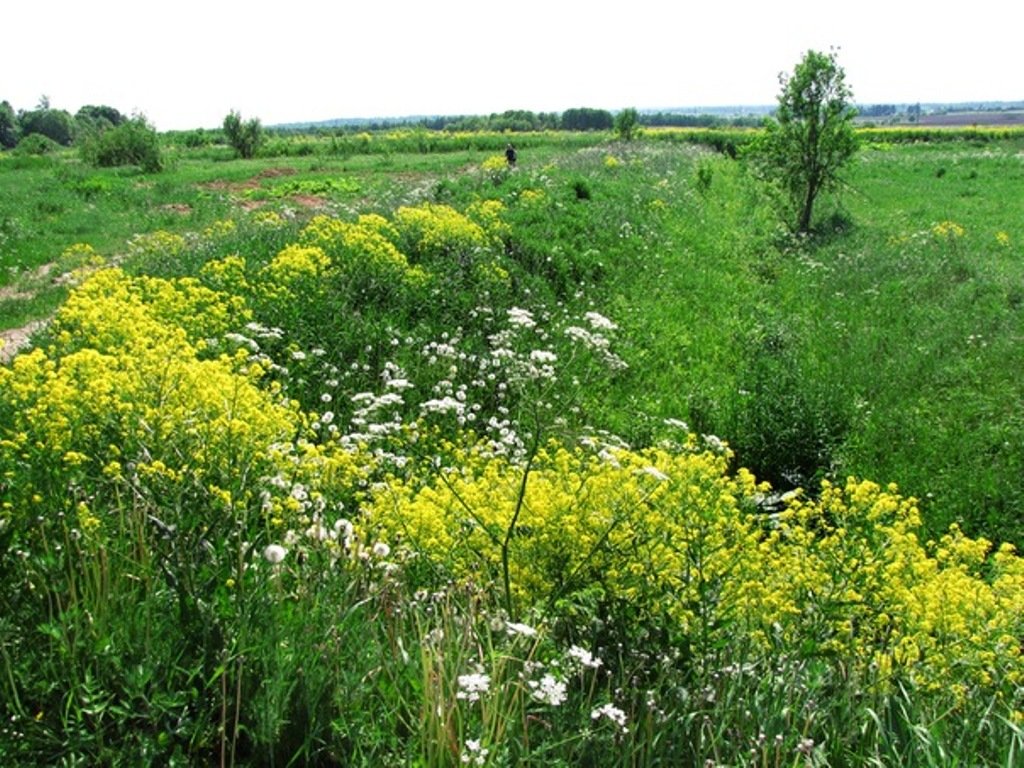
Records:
x=186, y=63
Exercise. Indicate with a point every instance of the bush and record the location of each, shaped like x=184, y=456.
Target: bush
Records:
x=245, y=137
x=36, y=144
x=56, y=124
x=131, y=143
x=627, y=123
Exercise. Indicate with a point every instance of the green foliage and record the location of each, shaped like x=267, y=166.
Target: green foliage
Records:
x=587, y=119
x=804, y=148
x=243, y=521
x=786, y=423
x=244, y=137
x=133, y=142
x=92, y=119
x=8, y=126
x=36, y=144
x=55, y=124
x=627, y=123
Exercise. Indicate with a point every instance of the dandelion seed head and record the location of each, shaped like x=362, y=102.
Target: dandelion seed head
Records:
x=274, y=553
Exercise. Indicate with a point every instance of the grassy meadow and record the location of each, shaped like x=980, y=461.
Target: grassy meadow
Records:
x=374, y=451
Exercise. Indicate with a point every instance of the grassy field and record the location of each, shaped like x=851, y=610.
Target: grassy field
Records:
x=396, y=456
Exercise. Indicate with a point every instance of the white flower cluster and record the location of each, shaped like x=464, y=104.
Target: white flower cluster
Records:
x=584, y=657
x=548, y=690
x=612, y=713
x=597, y=343
x=522, y=318
x=475, y=754
x=473, y=686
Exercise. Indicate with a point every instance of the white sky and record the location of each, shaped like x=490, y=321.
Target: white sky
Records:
x=186, y=63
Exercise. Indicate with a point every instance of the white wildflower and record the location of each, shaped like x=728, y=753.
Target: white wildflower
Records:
x=585, y=657
x=343, y=529
x=599, y=322
x=548, y=690
x=587, y=338
x=521, y=317
x=317, y=532
x=715, y=443
x=274, y=553
x=475, y=754
x=472, y=686
x=515, y=628
x=611, y=712
x=443, y=405
x=656, y=473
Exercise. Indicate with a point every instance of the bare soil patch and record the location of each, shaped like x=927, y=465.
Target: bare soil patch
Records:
x=16, y=339
x=273, y=173
x=183, y=209
x=309, y=201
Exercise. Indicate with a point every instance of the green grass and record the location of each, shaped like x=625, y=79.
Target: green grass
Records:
x=887, y=346
x=876, y=348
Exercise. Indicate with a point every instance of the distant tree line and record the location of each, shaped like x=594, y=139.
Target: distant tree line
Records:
x=103, y=135
x=57, y=125
x=695, y=120
x=877, y=110
x=520, y=120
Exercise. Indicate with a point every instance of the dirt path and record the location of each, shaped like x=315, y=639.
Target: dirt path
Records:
x=17, y=339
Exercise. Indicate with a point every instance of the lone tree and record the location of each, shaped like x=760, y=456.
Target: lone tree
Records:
x=627, y=123
x=245, y=137
x=810, y=138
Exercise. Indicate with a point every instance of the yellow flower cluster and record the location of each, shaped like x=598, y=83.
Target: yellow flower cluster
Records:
x=948, y=230
x=159, y=243
x=639, y=524
x=434, y=230
x=494, y=163
x=112, y=310
x=227, y=275
x=80, y=255
x=530, y=197
x=124, y=382
x=295, y=270
x=220, y=229
x=488, y=214
x=365, y=248
x=675, y=534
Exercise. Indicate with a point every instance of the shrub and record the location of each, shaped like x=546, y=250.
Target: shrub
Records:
x=432, y=231
x=36, y=144
x=627, y=122
x=131, y=143
x=55, y=124
x=245, y=138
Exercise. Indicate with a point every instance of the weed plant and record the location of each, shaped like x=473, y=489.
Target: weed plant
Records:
x=411, y=484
